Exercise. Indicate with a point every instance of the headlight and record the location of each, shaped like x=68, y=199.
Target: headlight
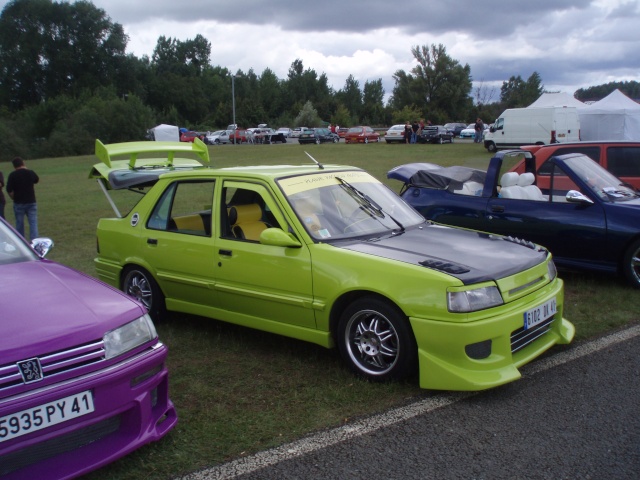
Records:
x=472, y=300
x=551, y=267
x=129, y=336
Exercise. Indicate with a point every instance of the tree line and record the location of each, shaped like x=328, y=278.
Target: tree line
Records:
x=66, y=79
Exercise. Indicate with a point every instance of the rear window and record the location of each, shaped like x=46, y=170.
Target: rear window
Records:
x=624, y=161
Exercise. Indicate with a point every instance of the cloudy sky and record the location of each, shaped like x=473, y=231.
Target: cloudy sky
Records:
x=570, y=43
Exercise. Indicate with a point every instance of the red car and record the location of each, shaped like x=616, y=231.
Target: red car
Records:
x=361, y=135
x=342, y=131
x=621, y=158
x=239, y=136
x=189, y=136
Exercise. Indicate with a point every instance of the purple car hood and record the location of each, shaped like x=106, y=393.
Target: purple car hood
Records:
x=467, y=255
x=45, y=307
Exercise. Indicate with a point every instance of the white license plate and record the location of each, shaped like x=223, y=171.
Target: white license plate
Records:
x=539, y=314
x=43, y=416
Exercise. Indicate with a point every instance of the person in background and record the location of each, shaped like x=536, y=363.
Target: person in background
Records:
x=479, y=129
x=414, y=131
x=407, y=132
x=20, y=187
x=2, y=199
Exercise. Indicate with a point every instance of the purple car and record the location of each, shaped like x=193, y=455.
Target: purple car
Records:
x=83, y=379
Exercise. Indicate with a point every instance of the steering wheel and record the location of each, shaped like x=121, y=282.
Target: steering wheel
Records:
x=353, y=219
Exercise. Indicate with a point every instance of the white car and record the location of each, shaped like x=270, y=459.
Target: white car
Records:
x=286, y=131
x=469, y=132
x=395, y=134
x=218, y=137
x=295, y=133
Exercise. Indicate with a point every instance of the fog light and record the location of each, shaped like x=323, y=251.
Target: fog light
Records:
x=479, y=350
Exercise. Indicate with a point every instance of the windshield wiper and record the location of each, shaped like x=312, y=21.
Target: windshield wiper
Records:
x=367, y=203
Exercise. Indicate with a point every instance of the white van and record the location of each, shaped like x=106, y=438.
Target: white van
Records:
x=533, y=126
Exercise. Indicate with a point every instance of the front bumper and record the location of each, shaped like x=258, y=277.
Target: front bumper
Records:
x=445, y=365
x=132, y=408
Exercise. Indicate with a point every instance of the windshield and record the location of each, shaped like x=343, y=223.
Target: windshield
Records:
x=12, y=248
x=349, y=204
x=600, y=181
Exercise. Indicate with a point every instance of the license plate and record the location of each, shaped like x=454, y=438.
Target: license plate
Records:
x=539, y=314
x=43, y=416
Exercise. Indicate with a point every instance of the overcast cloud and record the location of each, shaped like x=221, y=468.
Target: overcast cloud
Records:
x=570, y=43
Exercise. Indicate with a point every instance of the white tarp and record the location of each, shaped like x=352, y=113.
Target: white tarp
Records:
x=166, y=133
x=615, y=117
x=556, y=100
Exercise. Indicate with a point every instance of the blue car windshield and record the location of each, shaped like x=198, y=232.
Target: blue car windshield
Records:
x=600, y=181
x=349, y=204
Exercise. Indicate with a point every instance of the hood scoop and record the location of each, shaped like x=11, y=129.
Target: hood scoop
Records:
x=443, y=266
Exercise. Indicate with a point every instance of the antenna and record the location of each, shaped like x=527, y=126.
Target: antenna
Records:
x=315, y=161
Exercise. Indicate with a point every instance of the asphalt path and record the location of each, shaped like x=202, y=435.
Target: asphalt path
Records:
x=575, y=414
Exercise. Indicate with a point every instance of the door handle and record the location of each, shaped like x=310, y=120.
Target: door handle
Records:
x=152, y=241
x=497, y=208
x=226, y=253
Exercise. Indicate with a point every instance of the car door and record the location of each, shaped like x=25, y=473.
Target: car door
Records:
x=571, y=231
x=259, y=283
x=179, y=242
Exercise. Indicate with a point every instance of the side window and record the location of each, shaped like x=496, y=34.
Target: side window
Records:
x=591, y=152
x=246, y=211
x=560, y=184
x=185, y=207
x=624, y=161
x=499, y=124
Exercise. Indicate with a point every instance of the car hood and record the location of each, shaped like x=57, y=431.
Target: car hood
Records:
x=470, y=256
x=48, y=307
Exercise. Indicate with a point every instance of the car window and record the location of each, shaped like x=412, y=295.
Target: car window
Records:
x=185, y=208
x=12, y=248
x=246, y=211
x=560, y=184
x=624, y=161
x=592, y=152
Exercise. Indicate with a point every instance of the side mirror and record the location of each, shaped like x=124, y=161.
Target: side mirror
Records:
x=42, y=246
x=573, y=196
x=278, y=238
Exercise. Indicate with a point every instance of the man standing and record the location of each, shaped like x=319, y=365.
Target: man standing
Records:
x=479, y=130
x=20, y=188
x=2, y=200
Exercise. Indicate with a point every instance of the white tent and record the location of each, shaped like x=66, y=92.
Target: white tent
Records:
x=556, y=100
x=615, y=117
x=166, y=133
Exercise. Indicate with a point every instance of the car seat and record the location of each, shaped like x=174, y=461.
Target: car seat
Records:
x=246, y=221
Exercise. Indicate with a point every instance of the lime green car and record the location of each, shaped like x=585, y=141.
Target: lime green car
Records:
x=329, y=255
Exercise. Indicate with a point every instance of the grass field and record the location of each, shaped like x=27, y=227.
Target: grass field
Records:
x=238, y=391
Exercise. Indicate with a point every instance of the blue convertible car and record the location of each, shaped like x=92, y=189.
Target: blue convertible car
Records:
x=585, y=216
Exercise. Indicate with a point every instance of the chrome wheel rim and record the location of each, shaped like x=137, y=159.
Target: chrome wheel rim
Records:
x=635, y=265
x=137, y=286
x=372, y=342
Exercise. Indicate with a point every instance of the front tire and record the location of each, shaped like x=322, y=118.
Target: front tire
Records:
x=491, y=147
x=139, y=284
x=317, y=141
x=376, y=341
x=631, y=265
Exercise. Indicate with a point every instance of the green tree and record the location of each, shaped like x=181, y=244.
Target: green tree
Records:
x=438, y=85
x=516, y=93
x=372, y=103
x=49, y=48
x=351, y=97
x=308, y=116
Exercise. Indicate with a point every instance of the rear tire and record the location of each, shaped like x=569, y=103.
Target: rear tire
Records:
x=366, y=140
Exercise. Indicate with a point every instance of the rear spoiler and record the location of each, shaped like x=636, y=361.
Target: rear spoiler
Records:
x=106, y=152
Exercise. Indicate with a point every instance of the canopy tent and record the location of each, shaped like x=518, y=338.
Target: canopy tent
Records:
x=556, y=100
x=615, y=117
x=166, y=133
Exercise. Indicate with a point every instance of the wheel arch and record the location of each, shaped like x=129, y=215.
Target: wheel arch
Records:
x=346, y=299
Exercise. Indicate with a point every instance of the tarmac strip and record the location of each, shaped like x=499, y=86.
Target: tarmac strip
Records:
x=334, y=436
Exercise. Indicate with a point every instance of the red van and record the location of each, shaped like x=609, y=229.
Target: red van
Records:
x=621, y=158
